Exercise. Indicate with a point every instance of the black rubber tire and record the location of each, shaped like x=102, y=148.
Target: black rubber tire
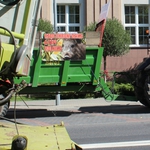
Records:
x=4, y=109
x=141, y=88
x=147, y=90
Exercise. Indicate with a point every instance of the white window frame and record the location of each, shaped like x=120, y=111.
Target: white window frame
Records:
x=81, y=4
x=136, y=25
x=67, y=24
x=135, y=3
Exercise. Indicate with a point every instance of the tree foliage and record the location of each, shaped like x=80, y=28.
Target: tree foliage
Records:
x=116, y=39
x=45, y=26
x=90, y=27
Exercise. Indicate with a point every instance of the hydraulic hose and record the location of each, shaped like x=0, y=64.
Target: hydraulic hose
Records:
x=7, y=98
x=15, y=52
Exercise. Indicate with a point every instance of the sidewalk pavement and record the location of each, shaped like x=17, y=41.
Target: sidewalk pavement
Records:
x=69, y=105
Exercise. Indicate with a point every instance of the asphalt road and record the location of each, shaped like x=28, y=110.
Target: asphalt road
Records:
x=93, y=125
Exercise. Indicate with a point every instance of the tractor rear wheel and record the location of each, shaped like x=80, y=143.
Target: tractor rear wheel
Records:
x=147, y=91
x=141, y=88
x=139, y=92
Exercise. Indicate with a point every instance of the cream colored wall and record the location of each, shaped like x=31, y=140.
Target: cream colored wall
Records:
x=135, y=56
x=117, y=9
x=93, y=8
x=46, y=9
x=91, y=14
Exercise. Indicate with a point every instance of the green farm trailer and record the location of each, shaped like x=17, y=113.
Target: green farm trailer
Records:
x=67, y=76
x=62, y=63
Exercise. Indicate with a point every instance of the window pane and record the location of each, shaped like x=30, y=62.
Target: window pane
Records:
x=131, y=30
x=129, y=14
x=145, y=19
x=132, y=10
x=68, y=18
x=143, y=14
x=60, y=14
x=73, y=18
x=127, y=19
x=126, y=10
x=140, y=19
x=73, y=9
x=77, y=29
x=141, y=23
x=61, y=29
x=142, y=35
x=132, y=19
x=74, y=14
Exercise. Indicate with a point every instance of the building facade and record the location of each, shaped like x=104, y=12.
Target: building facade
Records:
x=70, y=16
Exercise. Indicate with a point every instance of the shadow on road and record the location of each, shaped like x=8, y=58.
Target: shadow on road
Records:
x=114, y=109
x=34, y=113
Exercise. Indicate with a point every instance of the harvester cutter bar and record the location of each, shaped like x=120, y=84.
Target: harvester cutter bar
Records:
x=54, y=137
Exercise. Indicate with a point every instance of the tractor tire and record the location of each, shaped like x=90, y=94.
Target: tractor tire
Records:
x=139, y=93
x=147, y=91
x=140, y=89
x=4, y=109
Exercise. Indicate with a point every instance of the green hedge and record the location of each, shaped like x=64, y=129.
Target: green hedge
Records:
x=121, y=88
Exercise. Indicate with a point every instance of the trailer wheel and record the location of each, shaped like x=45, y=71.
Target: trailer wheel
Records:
x=4, y=109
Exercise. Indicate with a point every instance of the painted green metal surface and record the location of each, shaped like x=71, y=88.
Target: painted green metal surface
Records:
x=69, y=76
x=65, y=73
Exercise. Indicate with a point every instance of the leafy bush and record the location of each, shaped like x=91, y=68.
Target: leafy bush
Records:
x=116, y=39
x=90, y=27
x=45, y=26
x=52, y=96
x=121, y=88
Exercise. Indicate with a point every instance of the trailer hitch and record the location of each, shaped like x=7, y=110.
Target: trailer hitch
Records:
x=13, y=90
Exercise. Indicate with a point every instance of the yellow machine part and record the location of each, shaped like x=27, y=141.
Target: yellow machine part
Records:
x=6, y=53
x=53, y=137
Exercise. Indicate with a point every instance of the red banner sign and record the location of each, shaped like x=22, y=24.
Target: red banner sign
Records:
x=63, y=36
x=63, y=46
